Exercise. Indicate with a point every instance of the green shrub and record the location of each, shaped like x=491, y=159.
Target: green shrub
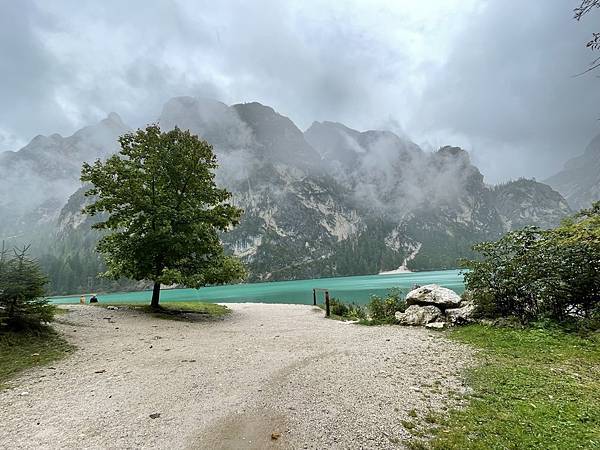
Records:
x=533, y=274
x=22, y=302
x=356, y=312
x=338, y=308
x=347, y=310
x=384, y=309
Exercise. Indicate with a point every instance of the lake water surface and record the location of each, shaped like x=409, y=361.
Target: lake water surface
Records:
x=349, y=289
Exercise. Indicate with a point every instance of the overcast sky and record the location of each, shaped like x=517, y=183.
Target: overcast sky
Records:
x=495, y=77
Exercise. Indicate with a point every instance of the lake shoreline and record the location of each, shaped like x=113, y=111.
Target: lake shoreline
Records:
x=357, y=289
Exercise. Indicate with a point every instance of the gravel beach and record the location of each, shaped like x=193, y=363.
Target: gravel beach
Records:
x=266, y=376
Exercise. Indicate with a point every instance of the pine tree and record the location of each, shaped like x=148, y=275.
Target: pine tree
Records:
x=22, y=289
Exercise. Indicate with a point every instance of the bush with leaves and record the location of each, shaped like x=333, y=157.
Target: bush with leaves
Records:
x=347, y=310
x=534, y=274
x=22, y=288
x=384, y=309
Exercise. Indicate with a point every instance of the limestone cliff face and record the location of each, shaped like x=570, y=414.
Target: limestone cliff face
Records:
x=336, y=201
x=36, y=180
x=579, y=181
x=527, y=202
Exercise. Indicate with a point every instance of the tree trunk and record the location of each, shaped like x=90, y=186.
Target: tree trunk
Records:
x=155, y=295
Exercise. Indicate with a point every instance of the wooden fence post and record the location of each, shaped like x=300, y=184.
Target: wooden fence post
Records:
x=314, y=297
x=327, y=311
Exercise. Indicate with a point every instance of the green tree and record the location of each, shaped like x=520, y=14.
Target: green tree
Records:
x=22, y=289
x=533, y=273
x=162, y=211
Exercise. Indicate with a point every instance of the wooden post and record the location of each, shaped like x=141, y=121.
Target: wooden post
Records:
x=327, y=312
x=314, y=297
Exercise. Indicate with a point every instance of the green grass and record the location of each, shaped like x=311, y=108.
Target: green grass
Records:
x=179, y=310
x=534, y=388
x=19, y=351
x=333, y=316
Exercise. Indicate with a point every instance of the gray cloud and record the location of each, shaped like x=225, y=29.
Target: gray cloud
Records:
x=487, y=75
x=508, y=90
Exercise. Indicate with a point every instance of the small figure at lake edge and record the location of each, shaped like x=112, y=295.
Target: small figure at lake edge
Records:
x=82, y=300
x=93, y=299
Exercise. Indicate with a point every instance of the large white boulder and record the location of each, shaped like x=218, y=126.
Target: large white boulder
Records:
x=419, y=315
x=460, y=315
x=432, y=294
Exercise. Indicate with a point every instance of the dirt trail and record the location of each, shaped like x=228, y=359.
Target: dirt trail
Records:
x=280, y=370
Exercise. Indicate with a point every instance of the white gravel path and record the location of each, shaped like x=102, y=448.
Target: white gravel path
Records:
x=230, y=383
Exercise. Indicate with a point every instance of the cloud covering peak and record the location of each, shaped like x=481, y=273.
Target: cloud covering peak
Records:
x=474, y=73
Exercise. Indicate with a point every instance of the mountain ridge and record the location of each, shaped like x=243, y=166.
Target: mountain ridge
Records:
x=579, y=181
x=328, y=201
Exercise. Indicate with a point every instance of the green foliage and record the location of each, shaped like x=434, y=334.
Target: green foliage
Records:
x=378, y=311
x=383, y=310
x=534, y=274
x=71, y=262
x=22, y=301
x=535, y=388
x=346, y=310
x=19, y=351
x=163, y=210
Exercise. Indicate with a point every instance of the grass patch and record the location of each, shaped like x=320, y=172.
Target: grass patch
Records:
x=179, y=310
x=20, y=351
x=534, y=388
x=407, y=424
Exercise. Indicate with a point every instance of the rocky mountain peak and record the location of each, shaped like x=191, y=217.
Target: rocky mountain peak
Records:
x=525, y=202
x=579, y=181
x=329, y=201
x=278, y=138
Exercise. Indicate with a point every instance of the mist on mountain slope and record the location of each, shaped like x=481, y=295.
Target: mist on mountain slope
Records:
x=325, y=202
x=37, y=179
x=383, y=172
x=377, y=169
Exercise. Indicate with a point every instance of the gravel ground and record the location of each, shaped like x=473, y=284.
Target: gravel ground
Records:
x=231, y=383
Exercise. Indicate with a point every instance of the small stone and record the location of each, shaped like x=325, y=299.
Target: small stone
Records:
x=100, y=371
x=35, y=354
x=436, y=325
x=24, y=393
x=154, y=415
x=275, y=436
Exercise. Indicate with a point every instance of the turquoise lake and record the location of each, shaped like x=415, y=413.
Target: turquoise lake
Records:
x=350, y=289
